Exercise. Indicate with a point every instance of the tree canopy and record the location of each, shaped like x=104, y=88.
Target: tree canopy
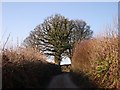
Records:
x=57, y=35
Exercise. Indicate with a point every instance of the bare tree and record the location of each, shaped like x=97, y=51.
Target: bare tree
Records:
x=56, y=36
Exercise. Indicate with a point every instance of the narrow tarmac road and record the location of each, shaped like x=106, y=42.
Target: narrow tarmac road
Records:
x=62, y=81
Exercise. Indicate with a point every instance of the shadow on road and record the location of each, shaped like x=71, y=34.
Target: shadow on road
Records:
x=72, y=80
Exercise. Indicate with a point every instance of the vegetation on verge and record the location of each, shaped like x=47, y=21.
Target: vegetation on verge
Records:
x=95, y=61
x=98, y=59
x=26, y=68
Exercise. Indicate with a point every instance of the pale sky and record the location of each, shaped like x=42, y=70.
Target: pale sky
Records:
x=22, y=17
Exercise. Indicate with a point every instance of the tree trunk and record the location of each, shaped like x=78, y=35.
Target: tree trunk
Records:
x=57, y=62
x=57, y=58
x=70, y=53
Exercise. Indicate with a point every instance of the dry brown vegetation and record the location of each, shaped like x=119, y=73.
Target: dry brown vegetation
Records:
x=26, y=68
x=95, y=64
x=98, y=59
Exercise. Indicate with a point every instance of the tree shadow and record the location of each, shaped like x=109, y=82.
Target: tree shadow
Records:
x=28, y=74
x=83, y=81
x=37, y=74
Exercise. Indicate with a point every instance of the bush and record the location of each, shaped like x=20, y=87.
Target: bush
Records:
x=98, y=59
x=26, y=68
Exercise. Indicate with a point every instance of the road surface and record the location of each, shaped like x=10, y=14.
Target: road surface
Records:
x=62, y=81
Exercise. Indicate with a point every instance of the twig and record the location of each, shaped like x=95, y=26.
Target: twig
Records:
x=6, y=42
